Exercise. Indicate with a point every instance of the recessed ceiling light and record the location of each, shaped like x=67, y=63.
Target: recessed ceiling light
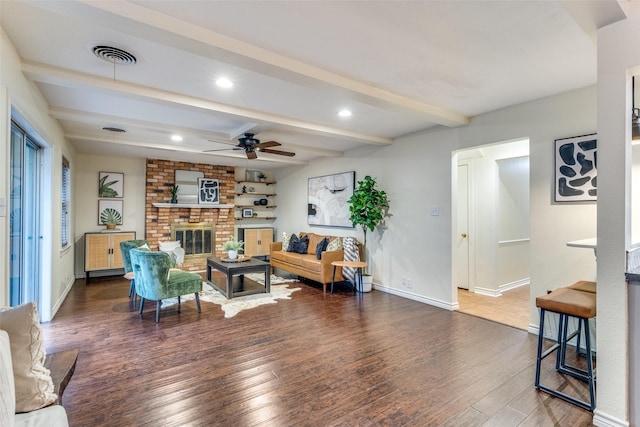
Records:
x=224, y=82
x=344, y=113
x=176, y=138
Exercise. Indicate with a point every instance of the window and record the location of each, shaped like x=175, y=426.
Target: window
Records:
x=66, y=202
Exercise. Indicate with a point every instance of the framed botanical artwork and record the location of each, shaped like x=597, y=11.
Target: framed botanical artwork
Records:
x=110, y=212
x=110, y=184
x=327, y=199
x=576, y=178
x=247, y=213
x=208, y=191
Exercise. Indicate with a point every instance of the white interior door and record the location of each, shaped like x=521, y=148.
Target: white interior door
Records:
x=462, y=233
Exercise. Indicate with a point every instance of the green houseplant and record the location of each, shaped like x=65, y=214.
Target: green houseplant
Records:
x=368, y=207
x=232, y=246
x=174, y=193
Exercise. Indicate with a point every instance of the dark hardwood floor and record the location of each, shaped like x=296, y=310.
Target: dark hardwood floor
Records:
x=315, y=360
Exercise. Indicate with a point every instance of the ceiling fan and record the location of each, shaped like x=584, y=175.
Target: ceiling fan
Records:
x=251, y=146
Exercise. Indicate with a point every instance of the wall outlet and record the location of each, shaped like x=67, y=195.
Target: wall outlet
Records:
x=406, y=282
x=435, y=211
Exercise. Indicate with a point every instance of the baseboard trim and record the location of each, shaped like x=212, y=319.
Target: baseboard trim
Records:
x=601, y=419
x=415, y=297
x=534, y=329
x=487, y=292
x=58, y=303
x=513, y=285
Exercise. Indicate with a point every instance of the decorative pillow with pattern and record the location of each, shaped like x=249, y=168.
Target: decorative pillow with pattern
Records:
x=335, y=244
x=321, y=247
x=286, y=238
x=34, y=387
x=351, y=253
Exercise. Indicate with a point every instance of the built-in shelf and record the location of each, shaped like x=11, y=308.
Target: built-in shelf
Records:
x=255, y=194
x=256, y=182
x=256, y=206
x=192, y=206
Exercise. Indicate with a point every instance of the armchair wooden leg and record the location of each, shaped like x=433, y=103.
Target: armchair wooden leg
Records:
x=198, y=302
x=158, y=304
x=141, y=305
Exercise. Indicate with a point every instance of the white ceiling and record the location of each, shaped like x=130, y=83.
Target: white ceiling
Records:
x=400, y=66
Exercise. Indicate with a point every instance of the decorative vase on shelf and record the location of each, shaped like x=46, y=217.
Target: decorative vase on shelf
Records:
x=174, y=201
x=110, y=226
x=232, y=254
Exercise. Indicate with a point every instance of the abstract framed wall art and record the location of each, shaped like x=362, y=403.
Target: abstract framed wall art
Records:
x=327, y=199
x=208, y=191
x=576, y=161
x=110, y=184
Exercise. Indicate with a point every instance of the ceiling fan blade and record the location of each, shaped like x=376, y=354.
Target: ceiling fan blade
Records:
x=251, y=155
x=223, y=142
x=223, y=149
x=268, y=144
x=279, y=152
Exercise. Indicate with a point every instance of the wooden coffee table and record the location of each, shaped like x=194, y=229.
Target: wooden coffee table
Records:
x=234, y=283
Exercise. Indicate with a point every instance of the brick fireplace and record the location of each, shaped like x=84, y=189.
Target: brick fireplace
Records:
x=159, y=220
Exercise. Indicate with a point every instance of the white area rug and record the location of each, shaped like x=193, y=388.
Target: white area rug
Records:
x=233, y=306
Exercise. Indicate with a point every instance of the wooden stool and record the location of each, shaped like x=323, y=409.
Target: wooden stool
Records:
x=353, y=264
x=583, y=286
x=567, y=303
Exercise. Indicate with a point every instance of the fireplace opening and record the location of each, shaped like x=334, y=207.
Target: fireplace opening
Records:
x=198, y=240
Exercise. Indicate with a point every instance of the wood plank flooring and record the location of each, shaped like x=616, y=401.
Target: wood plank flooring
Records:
x=512, y=308
x=315, y=360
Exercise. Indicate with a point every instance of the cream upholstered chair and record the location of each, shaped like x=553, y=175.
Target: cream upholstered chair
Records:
x=156, y=280
x=125, y=247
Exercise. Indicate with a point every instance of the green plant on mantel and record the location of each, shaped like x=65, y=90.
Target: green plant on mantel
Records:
x=174, y=193
x=368, y=205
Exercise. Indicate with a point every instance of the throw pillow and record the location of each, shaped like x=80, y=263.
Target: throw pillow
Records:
x=335, y=244
x=286, y=238
x=300, y=246
x=169, y=246
x=7, y=387
x=293, y=243
x=34, y=387
x=321, y=247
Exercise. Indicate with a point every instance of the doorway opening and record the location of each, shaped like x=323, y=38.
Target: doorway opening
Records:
x=491, y=232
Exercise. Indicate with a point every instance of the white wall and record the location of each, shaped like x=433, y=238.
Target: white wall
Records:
x=17, y=91
x=86, y=197
x=618, y=59
x=416, y=173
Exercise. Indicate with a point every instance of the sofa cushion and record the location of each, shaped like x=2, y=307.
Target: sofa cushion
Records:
x=54, y=415
x=314, y=240
x=321, y=247
x=34, y=387
x=7, y=386
x=287, y=257
x=335, y=244
x=311, y=263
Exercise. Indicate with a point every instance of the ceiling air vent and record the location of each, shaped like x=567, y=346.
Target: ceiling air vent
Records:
x=111, y=129
x=114, y=55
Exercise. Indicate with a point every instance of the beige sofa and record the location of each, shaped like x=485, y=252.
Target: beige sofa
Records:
x=308, y=265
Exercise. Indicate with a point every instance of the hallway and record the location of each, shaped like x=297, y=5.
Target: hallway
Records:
x=511, y=309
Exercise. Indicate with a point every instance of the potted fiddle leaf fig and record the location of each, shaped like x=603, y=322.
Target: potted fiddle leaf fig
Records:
x=368, y=207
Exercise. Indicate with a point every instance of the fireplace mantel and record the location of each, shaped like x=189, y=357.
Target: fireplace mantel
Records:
x=192, y=206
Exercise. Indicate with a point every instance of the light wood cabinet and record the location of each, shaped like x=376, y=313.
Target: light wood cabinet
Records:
x=256, y=240
x=102, y=251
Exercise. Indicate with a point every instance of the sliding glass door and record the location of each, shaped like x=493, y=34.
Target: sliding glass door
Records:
x=24, y=247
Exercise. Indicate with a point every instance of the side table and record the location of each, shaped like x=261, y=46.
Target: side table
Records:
x=353, y=264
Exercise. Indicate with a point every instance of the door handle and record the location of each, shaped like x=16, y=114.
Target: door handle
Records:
x=464, y=235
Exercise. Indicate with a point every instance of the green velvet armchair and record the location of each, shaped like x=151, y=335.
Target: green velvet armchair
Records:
x=157, y=280
x=125, y=247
